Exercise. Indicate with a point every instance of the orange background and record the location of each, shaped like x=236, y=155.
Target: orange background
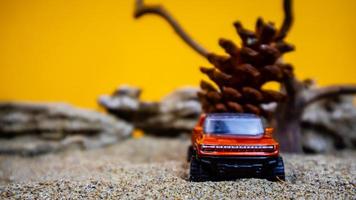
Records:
x=75, y=50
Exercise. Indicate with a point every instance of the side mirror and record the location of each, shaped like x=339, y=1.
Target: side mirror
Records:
x=269, y=131
x=198, y=129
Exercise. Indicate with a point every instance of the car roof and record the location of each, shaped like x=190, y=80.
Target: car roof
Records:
x=232, y=115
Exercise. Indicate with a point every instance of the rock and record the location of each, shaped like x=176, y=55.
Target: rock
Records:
x=174, y=114
x=331, y=123
x=315, y=142
x=31, y=129
x=124, y=103
x=129, y=91
x=183, y=102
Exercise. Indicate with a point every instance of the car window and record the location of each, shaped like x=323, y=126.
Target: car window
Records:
x=235, y=126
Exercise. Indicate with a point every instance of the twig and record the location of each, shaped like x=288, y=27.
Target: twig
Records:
x=326, y=92
x=142, y=9
x=288, y=19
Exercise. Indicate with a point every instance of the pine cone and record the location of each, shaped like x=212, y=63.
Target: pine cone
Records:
x=239, y=77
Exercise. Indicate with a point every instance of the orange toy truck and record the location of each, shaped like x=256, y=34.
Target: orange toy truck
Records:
x=227, y=146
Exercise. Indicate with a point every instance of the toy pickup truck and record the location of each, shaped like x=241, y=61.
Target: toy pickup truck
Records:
x=226, y=146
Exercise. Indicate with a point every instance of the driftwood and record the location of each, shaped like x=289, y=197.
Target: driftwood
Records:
x=240, y=75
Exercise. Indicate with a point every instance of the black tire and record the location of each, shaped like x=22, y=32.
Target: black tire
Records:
x=197, y=173
x=277, y=172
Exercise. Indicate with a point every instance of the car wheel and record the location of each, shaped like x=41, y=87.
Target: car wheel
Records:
x=197, y=172
x=277, y=172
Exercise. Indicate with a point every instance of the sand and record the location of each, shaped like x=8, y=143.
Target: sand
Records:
x=155, y=168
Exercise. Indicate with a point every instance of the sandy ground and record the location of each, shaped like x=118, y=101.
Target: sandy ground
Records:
x=155, y=168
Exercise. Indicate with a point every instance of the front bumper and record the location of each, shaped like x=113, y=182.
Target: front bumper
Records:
x=255, y=166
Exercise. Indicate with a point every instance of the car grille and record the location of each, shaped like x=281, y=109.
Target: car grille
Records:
x=238, y=148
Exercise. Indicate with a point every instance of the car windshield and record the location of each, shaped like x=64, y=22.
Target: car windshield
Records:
x=239, y=125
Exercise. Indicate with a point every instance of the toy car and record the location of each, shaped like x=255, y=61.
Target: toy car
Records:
x=227, y=146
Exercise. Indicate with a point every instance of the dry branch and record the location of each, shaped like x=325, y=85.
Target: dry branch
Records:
x=288, y=19
x=142, y=9
x=239, y=77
